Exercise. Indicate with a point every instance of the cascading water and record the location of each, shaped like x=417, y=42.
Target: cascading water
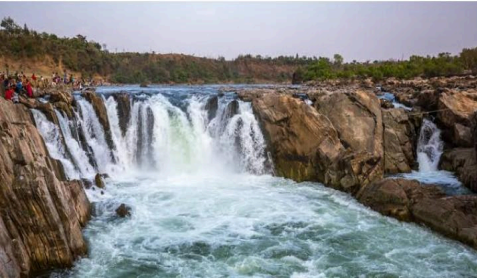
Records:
x=429, y=151
x=203, y=205
x=429, y=147
x=53, y=140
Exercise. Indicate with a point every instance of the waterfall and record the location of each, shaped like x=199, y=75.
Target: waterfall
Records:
x=165, y=134
x=429, y=147
x=94, y=135
x=78, y=155
x=53, y=140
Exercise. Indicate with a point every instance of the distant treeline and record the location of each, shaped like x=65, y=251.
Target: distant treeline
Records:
x=443, y=64
x=87, y=57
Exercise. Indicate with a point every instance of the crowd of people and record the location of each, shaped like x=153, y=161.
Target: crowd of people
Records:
x=12, y=86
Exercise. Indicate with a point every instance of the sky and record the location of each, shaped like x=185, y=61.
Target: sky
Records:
x=357, y=30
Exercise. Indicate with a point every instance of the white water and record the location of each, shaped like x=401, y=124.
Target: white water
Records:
x=52, y=136
x=79, y=157
x=429, y=151
x=429, y=147
x=200, y=213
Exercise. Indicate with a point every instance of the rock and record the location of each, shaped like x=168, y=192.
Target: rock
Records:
x=428, y=99
x=395, y=197
x=301, y=140
x=87, y=183
x=305, y=144
x=400, y=139
x=143, y=85
x=41, y=213
x=61, y=96
x=124, y=110
x=463, y=162
x=123, y=211
x=386, y=104
x=98, y=181
x=64, y=107
x=462, y=136
x=211, y=106
x=231, y=110
x=408, y=200
x=455, y=217
x=456, y=107
x=102, y=114
x=473, y=130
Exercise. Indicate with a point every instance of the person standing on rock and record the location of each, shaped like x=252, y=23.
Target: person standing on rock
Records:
x=9, y=93
x=29, y=89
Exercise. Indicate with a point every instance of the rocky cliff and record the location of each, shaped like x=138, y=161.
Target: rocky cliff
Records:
x=41, y=213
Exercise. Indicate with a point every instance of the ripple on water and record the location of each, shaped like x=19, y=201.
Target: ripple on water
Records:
x=242, y=226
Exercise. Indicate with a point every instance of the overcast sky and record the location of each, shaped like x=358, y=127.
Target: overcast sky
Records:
x=358, y=31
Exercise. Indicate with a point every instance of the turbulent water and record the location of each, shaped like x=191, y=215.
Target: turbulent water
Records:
x=204, y=202
x=429, y=151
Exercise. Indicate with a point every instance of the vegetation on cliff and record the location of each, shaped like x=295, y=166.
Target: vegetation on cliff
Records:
x=88, y=57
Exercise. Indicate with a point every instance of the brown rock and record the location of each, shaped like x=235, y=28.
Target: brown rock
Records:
x=463, y=163
x=124, y=110
x=211, y=107
x=396, y=197
x=102, y=114
x=400, y=137
x=41, y=214
x=456, y=107
x=386, y=104
x=98, y=181
x=462, y=136
x=123, y=211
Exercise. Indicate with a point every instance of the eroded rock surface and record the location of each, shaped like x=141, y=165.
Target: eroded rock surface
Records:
x=41, y=214
x=408, y=200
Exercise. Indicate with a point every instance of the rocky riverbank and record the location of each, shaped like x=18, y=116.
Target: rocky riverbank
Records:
x=340, y=134
x=343, y=136
x=42, y=213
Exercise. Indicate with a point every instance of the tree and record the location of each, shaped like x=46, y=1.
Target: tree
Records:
x=9, y=25
x=338, y=60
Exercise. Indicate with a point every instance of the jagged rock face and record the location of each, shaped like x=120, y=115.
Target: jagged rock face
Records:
x=41, y=214
x=400, y=139
x=463, y=162
x=124, y=111
x=357, y=118
x=395, y=197
x=102, y=114
x=453, y=216
x=211, y=106
x=457, y=107
x=306, y=145
x=301, y=140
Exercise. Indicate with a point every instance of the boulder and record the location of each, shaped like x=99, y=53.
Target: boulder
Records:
x=462, y=136
x=463, y=162
x=400, y=139
x=456, y=107
x=396, y=197
x=98, y=181
x=408, y=200
x=386, y=104
x=305, y=144
x=123, y=211
x=41, y=213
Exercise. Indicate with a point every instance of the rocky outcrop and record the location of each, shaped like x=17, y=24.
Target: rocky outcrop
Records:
x=306, y=145
x=463, y=162
x=211, y=107
x=98, y=181
x=408, y=200
x=401, y=132
x=124, y=110
x=456, y=108
x=41, y=214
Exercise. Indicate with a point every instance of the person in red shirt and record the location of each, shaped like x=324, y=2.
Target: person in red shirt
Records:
x=33, y=77
x=9, y=93
x=29, y=89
